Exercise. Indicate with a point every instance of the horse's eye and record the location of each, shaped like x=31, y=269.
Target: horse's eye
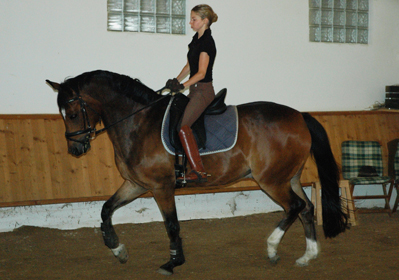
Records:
x=73, y=116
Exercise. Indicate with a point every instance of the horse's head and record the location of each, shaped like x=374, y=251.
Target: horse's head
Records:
x=80, y=113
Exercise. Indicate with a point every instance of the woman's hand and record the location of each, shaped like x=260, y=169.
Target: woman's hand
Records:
x=174, y=85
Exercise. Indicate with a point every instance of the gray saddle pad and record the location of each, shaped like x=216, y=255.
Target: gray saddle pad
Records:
x=221, y=132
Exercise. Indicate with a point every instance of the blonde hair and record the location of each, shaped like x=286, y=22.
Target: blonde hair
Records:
x=205, y=11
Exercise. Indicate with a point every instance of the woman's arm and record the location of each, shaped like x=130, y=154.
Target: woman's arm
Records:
x=202, y=67
x=184, y=72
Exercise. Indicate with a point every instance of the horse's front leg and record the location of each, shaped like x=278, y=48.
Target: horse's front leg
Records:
x=165, y=198
x=126, y=193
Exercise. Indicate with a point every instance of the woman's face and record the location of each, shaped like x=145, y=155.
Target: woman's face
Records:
x=197, y=23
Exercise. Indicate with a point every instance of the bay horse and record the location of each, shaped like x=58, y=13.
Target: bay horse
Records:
x=273, y=144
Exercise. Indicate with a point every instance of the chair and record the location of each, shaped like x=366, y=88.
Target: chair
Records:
x=393, y=168
x=356, y=154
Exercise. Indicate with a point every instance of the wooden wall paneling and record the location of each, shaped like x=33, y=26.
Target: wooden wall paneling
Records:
x=377, y=132
x=57, y=154
x=35, y=167
x=5, y=194
x=334, y=128
x=41, y=158
x=10, y=158
x=28, y=162
x=391, y=128
x=15, y=160
x=350, y=126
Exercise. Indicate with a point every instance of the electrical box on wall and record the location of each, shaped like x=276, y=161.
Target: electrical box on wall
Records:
x=392, y=97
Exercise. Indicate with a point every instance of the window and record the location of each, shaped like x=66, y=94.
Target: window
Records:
x=153, y=16
x=339, y=21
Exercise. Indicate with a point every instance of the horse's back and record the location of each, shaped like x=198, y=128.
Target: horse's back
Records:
x=270, y=111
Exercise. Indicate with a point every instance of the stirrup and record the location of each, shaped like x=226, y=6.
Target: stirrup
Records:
x=199, y=179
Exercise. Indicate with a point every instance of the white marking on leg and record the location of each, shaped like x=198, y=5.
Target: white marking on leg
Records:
x=121, y=253
x=118, y=249
x=312, y=250
x=273, y=241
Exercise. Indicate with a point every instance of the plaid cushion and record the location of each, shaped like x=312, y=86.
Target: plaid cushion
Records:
x=359, y=153
x=396, y=163
x=369, y=180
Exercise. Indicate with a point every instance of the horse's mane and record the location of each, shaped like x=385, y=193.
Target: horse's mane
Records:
x=122, y=84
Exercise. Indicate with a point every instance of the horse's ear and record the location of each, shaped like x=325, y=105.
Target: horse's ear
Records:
x=55, y=86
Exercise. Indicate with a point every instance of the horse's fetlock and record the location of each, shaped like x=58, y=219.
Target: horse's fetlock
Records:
x=177, y=257
x=111, y=240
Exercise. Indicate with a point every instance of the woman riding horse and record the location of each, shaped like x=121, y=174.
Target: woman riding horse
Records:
x=201, y=56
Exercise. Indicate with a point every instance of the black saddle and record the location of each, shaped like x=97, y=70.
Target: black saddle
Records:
x=179, y=103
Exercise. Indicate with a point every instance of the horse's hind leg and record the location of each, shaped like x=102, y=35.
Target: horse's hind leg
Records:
x=126, y=193
x=166, y=203
x=292, y=205
x=307, y=218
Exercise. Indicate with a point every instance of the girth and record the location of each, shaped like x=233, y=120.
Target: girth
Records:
x=177, y=108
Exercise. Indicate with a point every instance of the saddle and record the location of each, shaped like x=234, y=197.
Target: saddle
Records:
x=178, y=106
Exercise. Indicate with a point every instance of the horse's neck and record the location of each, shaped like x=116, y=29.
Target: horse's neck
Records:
x=139, y=122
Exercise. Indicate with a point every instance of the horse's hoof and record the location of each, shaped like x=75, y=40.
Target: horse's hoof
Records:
x=304, y=261
x=275, y=259
x=167, y=268
x=121, y=253
x=165, y=271
x=301, y=263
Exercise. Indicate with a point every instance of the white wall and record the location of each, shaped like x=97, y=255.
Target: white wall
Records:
x=143, y=210
x=263, y=54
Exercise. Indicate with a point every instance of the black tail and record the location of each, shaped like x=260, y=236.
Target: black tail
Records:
x=335, y=220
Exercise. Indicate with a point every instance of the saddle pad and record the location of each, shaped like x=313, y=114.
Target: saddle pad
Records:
x=221, y=131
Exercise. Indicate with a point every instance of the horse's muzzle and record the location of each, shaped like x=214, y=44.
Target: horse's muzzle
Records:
x=77, y=149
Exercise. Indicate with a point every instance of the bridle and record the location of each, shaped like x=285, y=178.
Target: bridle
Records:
x=91, y=131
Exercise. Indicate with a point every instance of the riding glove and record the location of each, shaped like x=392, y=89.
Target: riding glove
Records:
x=174, y=85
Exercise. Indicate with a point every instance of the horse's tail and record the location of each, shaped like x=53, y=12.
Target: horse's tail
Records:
x=335, y=220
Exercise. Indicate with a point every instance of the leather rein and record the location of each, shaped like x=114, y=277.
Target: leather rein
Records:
x=90, y=131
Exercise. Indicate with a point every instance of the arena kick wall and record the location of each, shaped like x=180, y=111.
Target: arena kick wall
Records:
x=35, y=167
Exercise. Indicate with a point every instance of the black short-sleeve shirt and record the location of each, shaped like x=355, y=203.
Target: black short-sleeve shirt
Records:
x=196, y=47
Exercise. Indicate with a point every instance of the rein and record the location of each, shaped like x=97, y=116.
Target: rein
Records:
x=92, y=130
x=128, y=116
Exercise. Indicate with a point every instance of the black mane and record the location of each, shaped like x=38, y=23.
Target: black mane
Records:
x=125, y=85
